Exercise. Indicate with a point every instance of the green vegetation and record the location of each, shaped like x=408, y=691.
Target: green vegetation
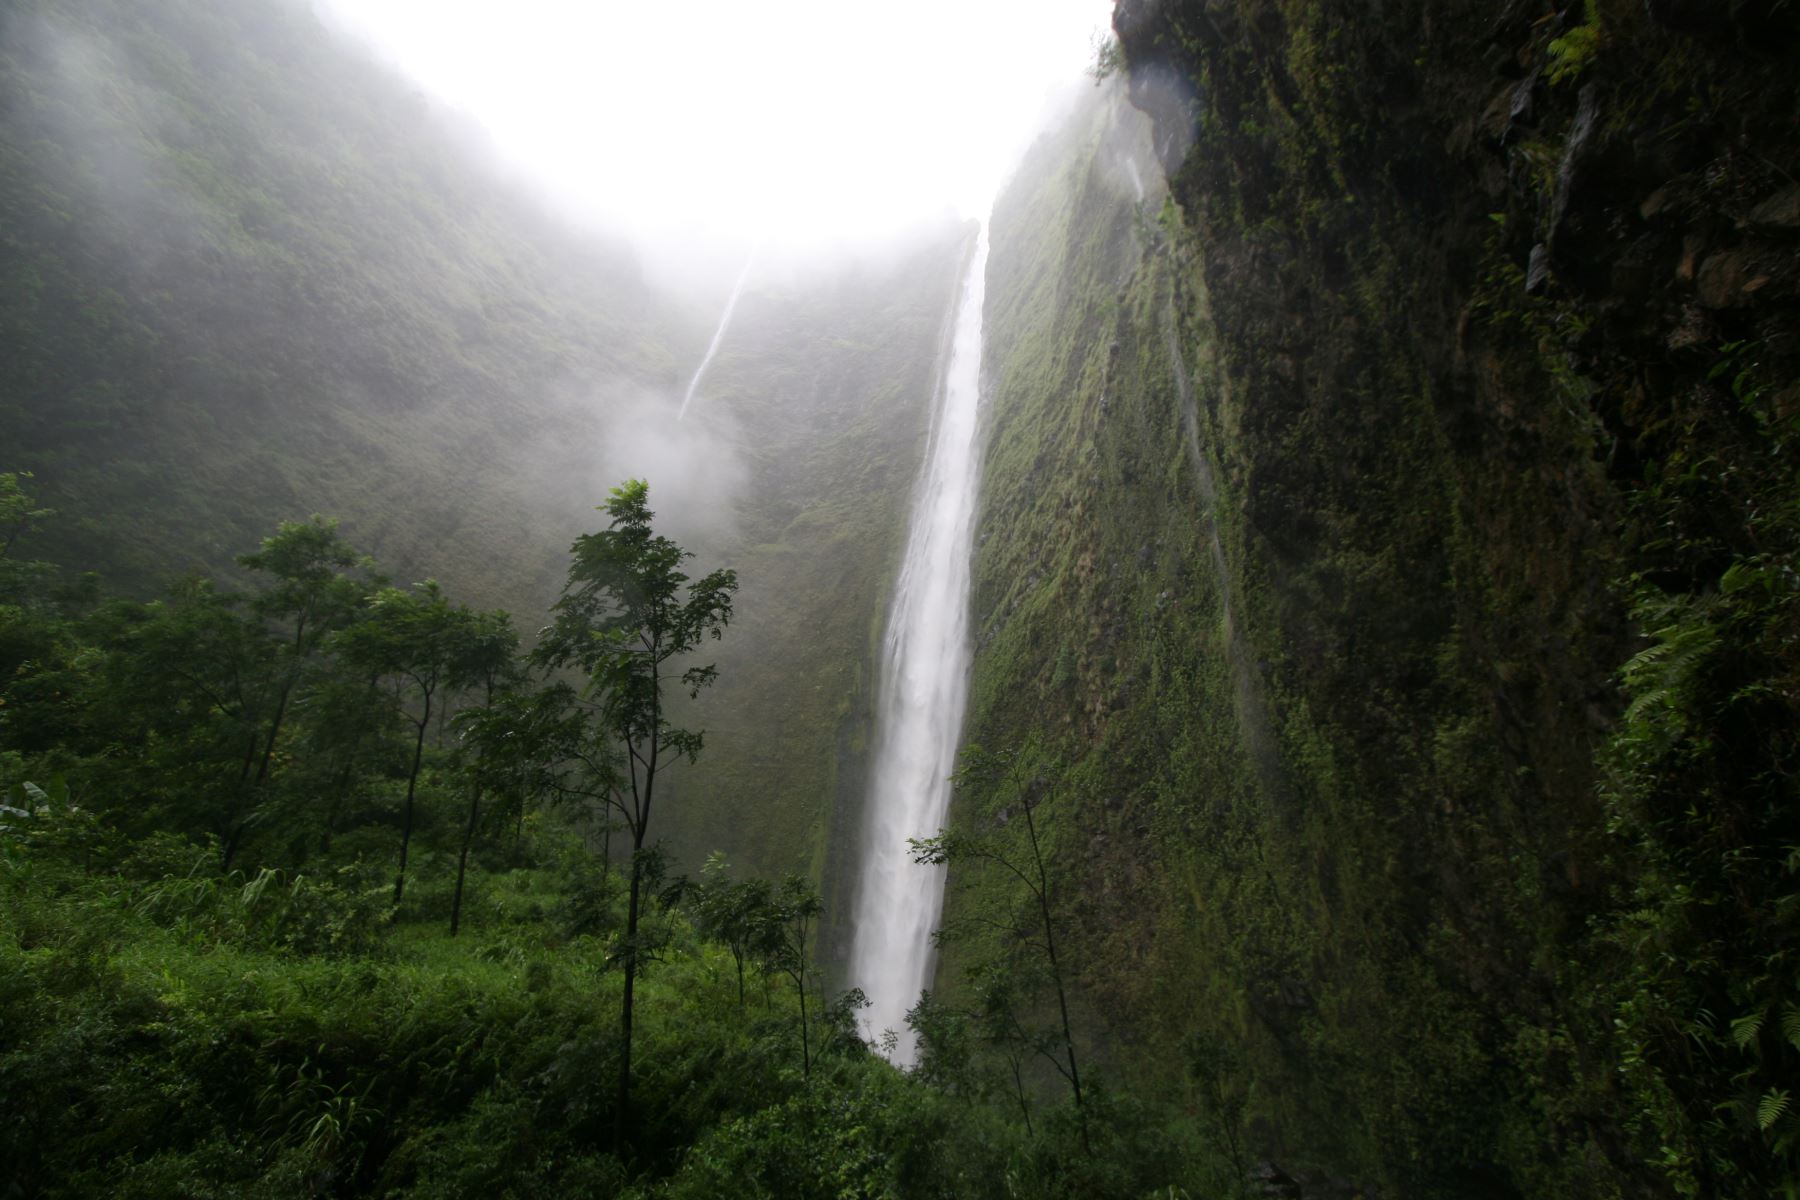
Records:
x=1390, y=537
x=624, y=624
x=284, y=1021
x=1031, y=933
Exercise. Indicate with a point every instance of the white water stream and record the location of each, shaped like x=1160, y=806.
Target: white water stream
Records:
x=737, y=289
x=924, y=686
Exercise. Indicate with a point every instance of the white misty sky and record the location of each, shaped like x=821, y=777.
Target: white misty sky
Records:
x=717, y=123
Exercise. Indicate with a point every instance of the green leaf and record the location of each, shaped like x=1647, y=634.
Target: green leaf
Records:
x=1738, y=576
x=1745, y=1028
x=1770, y=1107
x=1790, y=1024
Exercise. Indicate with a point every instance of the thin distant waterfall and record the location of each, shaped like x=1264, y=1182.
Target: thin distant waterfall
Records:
x=737, y=289
x=924, y=685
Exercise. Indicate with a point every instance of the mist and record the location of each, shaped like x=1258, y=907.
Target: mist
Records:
x=695, y=473
x=818, y=130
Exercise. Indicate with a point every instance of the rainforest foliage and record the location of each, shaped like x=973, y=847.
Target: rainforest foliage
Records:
x=215, y=985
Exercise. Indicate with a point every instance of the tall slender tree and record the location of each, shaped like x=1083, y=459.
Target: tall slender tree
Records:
x=308, y=596
x=502, y=738
x=428, y=648
x=189, y=684
x=1026, y=865
x=796, y=908
x=627, y=618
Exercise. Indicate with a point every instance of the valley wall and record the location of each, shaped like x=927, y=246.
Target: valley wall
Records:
x=1383, y=541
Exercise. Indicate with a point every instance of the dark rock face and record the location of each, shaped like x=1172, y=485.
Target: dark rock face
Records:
x=1475, y=279
x=1780, y=213
x=1724, y=19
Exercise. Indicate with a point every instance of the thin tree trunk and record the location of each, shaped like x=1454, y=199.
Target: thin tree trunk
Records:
x=462, y=862
x=228, y=842
x=1019, y=1087
x=606, y=831
x=1062, y=1001
x=639, y=826
x=338, y=795
x=343, y=784
x=281, y=702
x=623, y=1113
x=412, y=782
x=805, y=1043
x=228, y=849
x=249, y=757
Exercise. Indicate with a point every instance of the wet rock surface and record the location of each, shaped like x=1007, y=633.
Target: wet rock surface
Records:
x=1472, y=274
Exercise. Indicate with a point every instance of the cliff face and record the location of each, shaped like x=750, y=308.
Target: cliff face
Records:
x=1415, y=619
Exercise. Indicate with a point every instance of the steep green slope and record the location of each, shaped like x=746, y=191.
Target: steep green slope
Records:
x=1321, y=516
x=249, y=276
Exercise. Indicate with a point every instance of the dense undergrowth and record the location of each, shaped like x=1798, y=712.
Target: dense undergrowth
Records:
x=170, y=1035
x=183, y=1034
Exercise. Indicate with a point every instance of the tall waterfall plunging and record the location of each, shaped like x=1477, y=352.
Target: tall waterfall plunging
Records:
x=737, y=289
x=924, y=685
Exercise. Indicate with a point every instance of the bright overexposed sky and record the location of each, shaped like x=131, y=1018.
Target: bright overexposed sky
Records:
x=805, y=122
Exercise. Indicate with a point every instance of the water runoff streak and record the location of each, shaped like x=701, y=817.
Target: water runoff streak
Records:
x=924, y=686
x=737, y=289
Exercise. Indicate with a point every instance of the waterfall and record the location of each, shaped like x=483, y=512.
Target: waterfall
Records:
x=1137, y=181
x=737, y=289
x=924, y=685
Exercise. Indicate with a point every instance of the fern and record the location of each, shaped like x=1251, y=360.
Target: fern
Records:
x=1660, y=675
x=1771, y=1106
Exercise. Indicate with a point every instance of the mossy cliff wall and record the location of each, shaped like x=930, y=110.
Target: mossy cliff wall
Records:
x=1391, y=540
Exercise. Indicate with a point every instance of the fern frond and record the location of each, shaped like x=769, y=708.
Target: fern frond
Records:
x=1744, y=1030
x=1770, y=1107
